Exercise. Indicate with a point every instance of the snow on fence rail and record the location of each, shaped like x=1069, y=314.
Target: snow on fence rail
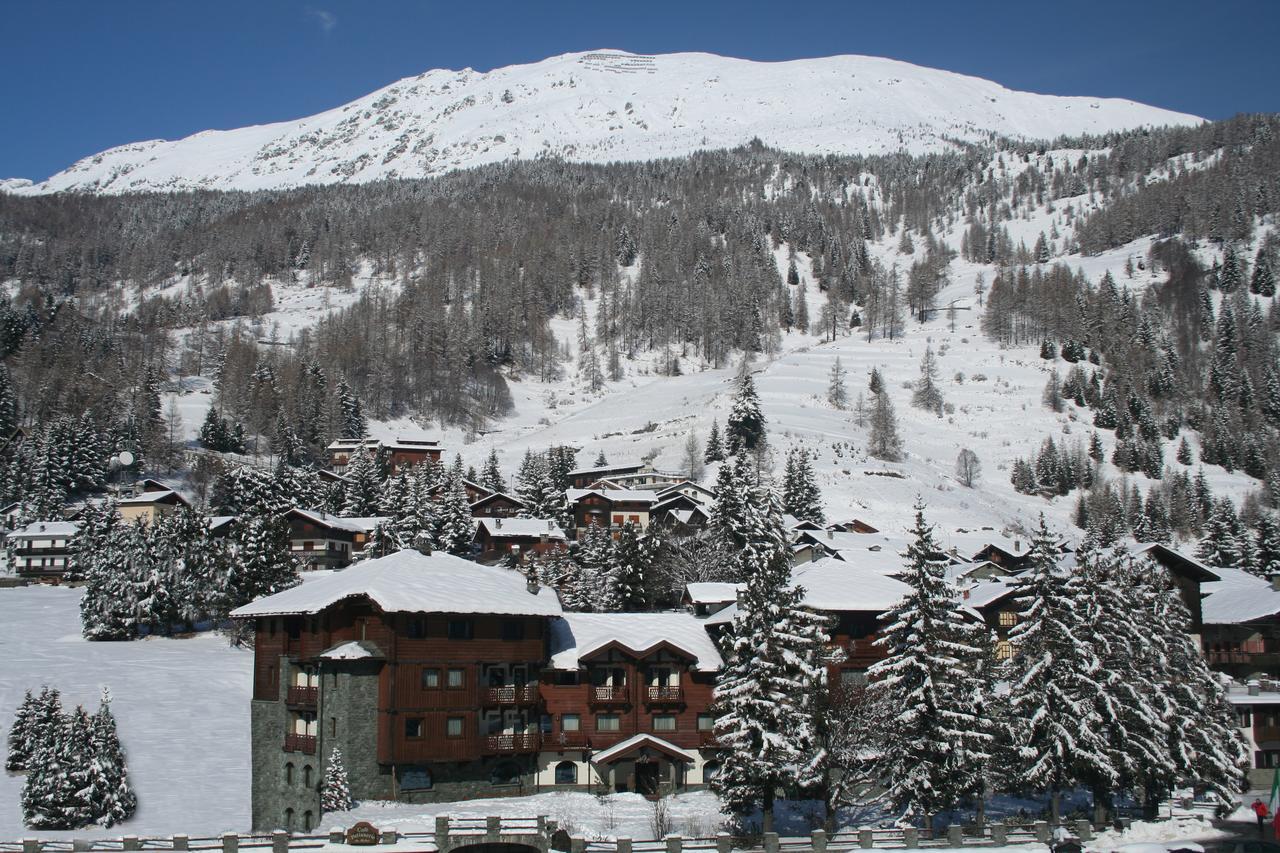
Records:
x=458, y=833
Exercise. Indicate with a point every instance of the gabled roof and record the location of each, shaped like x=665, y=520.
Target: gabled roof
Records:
x=614, y=495
x=985, y=593
x=354, y=650
x=1175, y=559
x=521, y=528
x=338, y=522
x=494, y=496
x=411, y=582
x=686, y=484
x=46, y=529
x=635, y=743
x=711, y=592
x=603, y=470
x=164, y=496
x=790, y=522
x=579, y=635
x=834, y=586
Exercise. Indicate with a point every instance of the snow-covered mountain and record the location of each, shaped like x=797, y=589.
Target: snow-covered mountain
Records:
x=597, y=107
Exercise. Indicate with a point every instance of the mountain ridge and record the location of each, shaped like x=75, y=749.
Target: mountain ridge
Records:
x=600, y=106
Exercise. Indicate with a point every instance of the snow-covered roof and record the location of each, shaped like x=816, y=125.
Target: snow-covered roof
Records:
x=151, y=498
x=1268, y=694
x=46, y=529
x=493, y=496
x=578, y=635
x=216, y=521
x=988, y=592
x=607, y=469
x=683, y=485
x=1235, y=600
x=524, y=528
x=722, y=616
x=640, y=741
x=836, y=585
x=412, y=582
x=711, y=592
x=339, y=522
x=1190, y=565
x=353, y=650
x=615, y=495
x=685, y=516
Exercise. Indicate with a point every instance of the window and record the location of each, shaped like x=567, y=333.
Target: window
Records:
x=416, y=779
x=570, y=723
x=288, y=819
x=853, y=677
x=1244, y=717
x=417, y=628
x=288, y=773
x=505, y=773
x=333, y=727
x=1007, y=618
x=633, y=519
x=512, y=630
x=457, y=678
x=706, y=722
x=664, y=722
x=566, y=773
x=1267, y=759
x=1004, y=650
x=430, y=679
x=459, y=629
x=453, y=727
x=413, y=727
x=306, y=775
x=606, y=722
x=617, y=521
x=306, y=821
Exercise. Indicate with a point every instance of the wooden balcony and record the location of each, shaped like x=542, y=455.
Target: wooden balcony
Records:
x=510, y=695
x=610, y=696
x=300, y=743
x=304, y=696
x=567, y=740
x=501, y=744
x=664, y=695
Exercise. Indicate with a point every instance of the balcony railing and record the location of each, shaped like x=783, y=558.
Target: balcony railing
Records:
x=300, y=743
x=567, y=740
x=509, y=694
x=610, y=695
x=299, y=695
x=665, y=694
x=513, y=743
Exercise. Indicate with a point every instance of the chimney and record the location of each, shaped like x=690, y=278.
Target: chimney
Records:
x=1275, y=581
x=1254, y=688
x=1017, y=545
x=531, y=584
x=831, y=534
x=551, y=524
x=497, y=523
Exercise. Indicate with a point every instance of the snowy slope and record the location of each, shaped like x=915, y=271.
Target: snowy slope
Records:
x=598, y=107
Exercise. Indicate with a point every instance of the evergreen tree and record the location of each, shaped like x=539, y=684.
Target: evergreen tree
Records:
x=715, y=449
x=1263, y=282
x=455, y=529
x=335, y=789
x=876, y=383
x=1055, y=698
x=491, y=474
x=934, y=750
x=1224, y=543
x=261, y=563
x=927, y=396
x=21, y=738
x=745, y=428
x=101, y=556
x=8, y=405
x=587, y=587
x=884, y=442
x=113, y=796
x=800, y=494
x=631, y=559
x=837, y=394
x=1267, y=545
x=352, y=424
x=602, y=461
x=1184, y=456
x=364, y=485
x=766, y=697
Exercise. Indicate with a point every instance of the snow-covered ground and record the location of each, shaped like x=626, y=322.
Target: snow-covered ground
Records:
x=182, y=706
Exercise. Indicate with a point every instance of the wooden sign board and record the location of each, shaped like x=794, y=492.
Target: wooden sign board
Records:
x=363, y=834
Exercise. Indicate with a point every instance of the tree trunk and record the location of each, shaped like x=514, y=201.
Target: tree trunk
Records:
x=1055, y=806
x=766, y=809
x=980, y=810
x=1101, y=806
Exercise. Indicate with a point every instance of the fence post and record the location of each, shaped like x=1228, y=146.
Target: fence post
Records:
x=624, y=845
x=442, y=832
x=181, y=842
x=954, y=836
x=1042, y=831
x=31, y=845
x=999, y=834
x=230, y=842
x=818, y=840
x=492, y=828
x=280, y=841
x=389, y=836
x=866, y=839
x=541, y=825
x=771, y=842
x=577, y=845
x=674, y=844
x=80, y=844
x=910, y=837
x=130, y=842
x=724, y=842
x=336, y=835
x=1084, y=830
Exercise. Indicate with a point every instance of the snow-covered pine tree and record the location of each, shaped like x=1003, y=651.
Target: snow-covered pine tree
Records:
x=335, y=788
x=261, y=563
x=734, y=490
x=8, y=404
x=715, y=448
x=1266, y=547
x=587, y=588
x=455, y=529
x=1225, y=542
x=601, y=460
x=46, y=799
x=745, y=428
x=800, y=494
x=101, y=557
x=767, y=697
x=114, y=799
x=20, y=738
x=535, y=488
x=935, y=748
x=1055, y=694
x=927, y=395
x=352, y=423
x=364, y=485
x=884, y=442
x=491, y=473
x=837, y=393
x=628, y=570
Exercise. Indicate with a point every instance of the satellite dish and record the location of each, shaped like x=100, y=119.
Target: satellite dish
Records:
x=126, y=458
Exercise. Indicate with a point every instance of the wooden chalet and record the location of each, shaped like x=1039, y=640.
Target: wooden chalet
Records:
x=853, y=525
x=609, y=508
x=690, y=489
x=42, y=549
x=401, y=452
x=678, y=511
x=1241, y=631
x=497, y=505
x=323, y=541
x=516, y=538
x=1188, y=573
x=583, y=478
x=148, y=506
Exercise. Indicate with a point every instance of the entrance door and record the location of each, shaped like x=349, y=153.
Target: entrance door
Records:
x=647, y=778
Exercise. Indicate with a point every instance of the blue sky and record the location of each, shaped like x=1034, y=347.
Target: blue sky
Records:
x=78, y=76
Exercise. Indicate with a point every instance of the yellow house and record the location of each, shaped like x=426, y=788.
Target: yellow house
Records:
x=150, y=505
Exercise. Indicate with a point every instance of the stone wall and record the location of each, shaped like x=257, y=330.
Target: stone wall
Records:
x=281, y=780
